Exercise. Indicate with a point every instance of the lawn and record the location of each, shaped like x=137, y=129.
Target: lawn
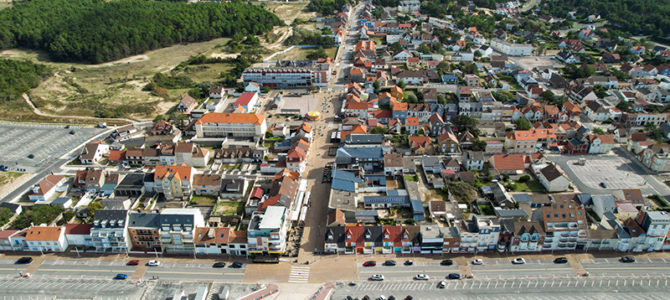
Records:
x=530, y=186
x=203, y=200
x=412, y=178
x=229, y=208
x=486, y=209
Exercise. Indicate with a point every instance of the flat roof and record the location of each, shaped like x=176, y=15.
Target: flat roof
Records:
x=272, y=217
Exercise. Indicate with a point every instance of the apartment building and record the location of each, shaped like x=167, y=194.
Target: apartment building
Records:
x=174, y=182
x=565, y=225
x=222, y=125
x=266, y=234
x=46, y=239
x=177, y=229
x=109, y=231
x=144, y=231
x=528, y=141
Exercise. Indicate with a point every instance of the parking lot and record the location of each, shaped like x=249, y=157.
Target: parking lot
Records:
x=43, y=142
x=35, y=288
x=612, y=267
x=546, y=289
x=615, y=172
x=195, y=272
x=401, y=272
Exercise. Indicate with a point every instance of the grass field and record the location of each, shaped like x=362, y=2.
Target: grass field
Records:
x=7, y=177
x=229, y=208
x=81, y=89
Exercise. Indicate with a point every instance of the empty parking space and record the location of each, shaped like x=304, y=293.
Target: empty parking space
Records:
x=42, y=142
x=8, y=269
x=37, y=288
x=194, y=272
x=612, y=267
x=574, y=288
x=613, y=171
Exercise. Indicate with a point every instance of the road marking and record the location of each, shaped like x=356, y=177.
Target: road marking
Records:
x=524, y=270
x=299, y=274
x=151, y=271
x=629, y=268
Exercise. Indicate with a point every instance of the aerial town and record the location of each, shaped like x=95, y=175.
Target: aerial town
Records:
x=487, y=143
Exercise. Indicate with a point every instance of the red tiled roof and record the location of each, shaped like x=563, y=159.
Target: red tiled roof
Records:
x=78, y=229
x=509, y=161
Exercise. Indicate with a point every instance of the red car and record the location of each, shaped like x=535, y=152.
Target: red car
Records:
x=134, y=262
x=370, y=263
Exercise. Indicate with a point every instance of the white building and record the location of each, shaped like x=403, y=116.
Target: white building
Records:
x=109, y=231
x=221, y=125
x=46, y=188
x=512, y=49
x=177, y=229
x=553, y=179
x=46, y=239
x=266, y=234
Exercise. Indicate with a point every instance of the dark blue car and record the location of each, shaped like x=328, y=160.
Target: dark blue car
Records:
x=121, y=276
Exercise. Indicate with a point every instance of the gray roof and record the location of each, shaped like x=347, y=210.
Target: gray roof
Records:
x=385, y=199
x=360, y=153
x=143, y=220
x=475, y=155
x=364, y=139
x=511, y=213
x=658, y=216
x=522, y=198
x=345, y=180
x=133, y=180
x=550, y=172
x=417, y=210
x=61, y=200
x=111, y=215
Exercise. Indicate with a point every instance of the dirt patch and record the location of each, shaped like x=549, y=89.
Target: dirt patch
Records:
x=224, y=55
x=127, y=60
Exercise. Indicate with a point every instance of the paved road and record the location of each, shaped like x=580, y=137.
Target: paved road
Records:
x=533, y=268
x=9, y=270
x=401, y=272
x=577, y=288
x=82, y=269
x=641, y=267
x=69, y=289
x=195, y=272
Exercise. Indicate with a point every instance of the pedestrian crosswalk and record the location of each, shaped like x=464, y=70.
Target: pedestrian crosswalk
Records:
x=299, y=274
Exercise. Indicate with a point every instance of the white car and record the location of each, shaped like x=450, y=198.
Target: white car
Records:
x=477, y=262
x=154, y=263
x=377, y=277
x=421, y=277
x=442, y=284
x=519, y=261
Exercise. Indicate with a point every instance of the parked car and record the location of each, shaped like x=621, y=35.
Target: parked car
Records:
x=389, y=263
x=477, y=262
x=133, y=262
x=627, y=259
x=409, y=262
x=153, y=263
x=447, y=262
x=219, y=265
x=31, y=156
x=377, y=277
x=24, y=260
x=454, y=276
x=561, y=260
x=353, y=283
x=370, y=263
x=518, y=261
x=236, y=265
x=603, y=184
x=121, y=276
x=421, y=277
x=442, y=284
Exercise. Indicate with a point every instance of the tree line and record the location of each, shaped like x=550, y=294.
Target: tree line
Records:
x=97, y=31
x=326, y=7
x=648, y=17
x=19, y=76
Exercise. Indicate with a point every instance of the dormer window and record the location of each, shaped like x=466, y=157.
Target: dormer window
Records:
x=386, y=236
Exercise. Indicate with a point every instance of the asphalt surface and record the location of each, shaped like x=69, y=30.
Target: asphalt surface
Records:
x=83, y=269
x=69, y=289
x=401, y=272
x=586, y=184
x=577, y=288
x=533, y=268
x=195, y=272
x=50, y=166
x=642, y=267
x=10, y=270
